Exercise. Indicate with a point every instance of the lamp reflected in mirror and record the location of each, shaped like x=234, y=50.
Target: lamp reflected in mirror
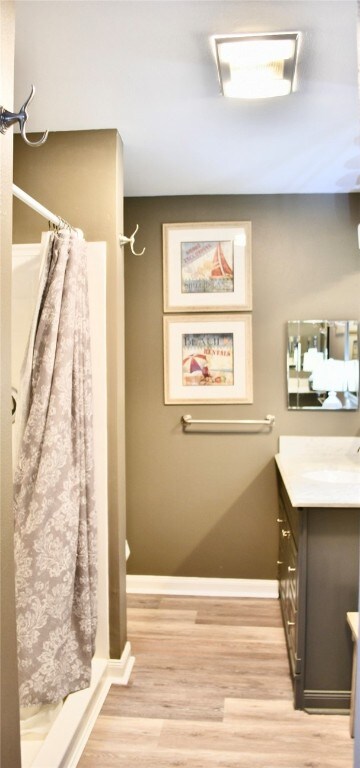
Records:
x=323, y=364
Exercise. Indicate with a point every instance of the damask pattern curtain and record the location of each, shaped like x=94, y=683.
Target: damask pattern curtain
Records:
x=54, y=506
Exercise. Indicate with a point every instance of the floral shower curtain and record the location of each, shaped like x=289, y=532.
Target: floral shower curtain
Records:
x=54, y=507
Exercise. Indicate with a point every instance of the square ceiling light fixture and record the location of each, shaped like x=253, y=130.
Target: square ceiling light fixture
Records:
x=256, y=66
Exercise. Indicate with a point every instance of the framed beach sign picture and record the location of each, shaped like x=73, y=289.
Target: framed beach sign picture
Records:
x=208, y=359
x=207, y=267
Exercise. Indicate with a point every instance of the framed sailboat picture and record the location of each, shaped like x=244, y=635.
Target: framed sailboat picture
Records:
x=207, y=267
x=208, y=358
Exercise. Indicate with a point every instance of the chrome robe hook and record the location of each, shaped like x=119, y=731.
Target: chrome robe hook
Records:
x=10, y=118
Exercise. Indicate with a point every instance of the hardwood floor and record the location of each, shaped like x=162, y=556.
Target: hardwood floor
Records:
x=211, y=689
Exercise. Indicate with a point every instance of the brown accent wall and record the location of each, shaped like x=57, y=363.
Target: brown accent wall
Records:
x=206, y=505
x=78, y=176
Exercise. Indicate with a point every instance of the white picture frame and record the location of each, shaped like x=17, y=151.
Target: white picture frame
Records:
x=208, y=359
x=207, y=267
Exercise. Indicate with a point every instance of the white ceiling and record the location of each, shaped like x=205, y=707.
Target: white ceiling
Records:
x=147, y=69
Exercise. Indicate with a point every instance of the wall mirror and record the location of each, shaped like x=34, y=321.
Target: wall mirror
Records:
x=323, y=364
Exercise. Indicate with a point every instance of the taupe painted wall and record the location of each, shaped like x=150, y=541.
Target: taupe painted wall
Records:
x=9, y=706
x=79, y=176
x=206, y=505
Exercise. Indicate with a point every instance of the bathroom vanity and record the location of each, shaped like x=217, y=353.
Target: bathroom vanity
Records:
x=318, y=564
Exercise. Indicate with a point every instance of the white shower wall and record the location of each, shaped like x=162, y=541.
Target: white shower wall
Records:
x=26, y=263
x=96, y=260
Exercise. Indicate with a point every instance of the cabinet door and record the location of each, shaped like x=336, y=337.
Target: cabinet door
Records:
x=292, y=603
x=288, y=586
x=282, y=555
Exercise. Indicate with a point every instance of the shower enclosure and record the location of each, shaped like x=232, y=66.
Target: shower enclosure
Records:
x=59, y=733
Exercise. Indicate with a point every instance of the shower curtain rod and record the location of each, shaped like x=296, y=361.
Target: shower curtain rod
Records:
x=32, y=203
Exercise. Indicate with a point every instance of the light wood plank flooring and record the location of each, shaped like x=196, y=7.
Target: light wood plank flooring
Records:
x=211, y=689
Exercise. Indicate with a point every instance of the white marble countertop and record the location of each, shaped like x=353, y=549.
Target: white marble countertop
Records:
x=320, y=471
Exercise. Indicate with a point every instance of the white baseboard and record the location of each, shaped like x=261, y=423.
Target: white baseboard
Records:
x=66, y=740
x=201, y=587
x=118, y=672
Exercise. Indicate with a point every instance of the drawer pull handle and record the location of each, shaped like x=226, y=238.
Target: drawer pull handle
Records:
x=285, y=534
x=291, y=623
x=279, y=520
x=290, y=569
x=280, y=562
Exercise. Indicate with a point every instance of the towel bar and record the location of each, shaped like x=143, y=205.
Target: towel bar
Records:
x=188, y=420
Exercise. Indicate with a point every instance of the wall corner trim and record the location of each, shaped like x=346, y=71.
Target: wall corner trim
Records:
x=201, y=587
x=119, y=670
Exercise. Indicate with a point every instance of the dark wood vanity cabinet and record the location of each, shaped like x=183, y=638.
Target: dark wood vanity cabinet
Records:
x=318, y=571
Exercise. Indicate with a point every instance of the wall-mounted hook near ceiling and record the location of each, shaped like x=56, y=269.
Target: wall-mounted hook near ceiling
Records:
x=7, y=119
x=130, y=241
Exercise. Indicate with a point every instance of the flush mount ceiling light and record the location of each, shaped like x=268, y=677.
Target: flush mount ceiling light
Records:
x=256, y=66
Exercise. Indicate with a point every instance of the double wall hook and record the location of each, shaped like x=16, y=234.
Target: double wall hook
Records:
x=131, y=240
x=10, y=118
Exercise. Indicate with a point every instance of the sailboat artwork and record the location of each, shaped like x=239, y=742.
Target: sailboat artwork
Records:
x=208, y=359
x=207, y=267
